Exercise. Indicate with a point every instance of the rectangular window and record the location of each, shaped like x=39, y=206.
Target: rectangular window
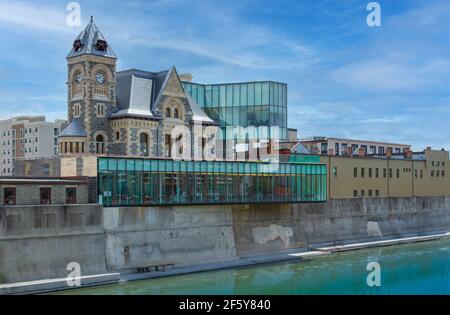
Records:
x=71, y=195
x=355, y=172
x=370, y=172
x=362, y=171
x=398, y=173
x=390, y=173
x=9, y=196
x=377, y=172
x=355, y=193
x=362, y=193
x=370, y=192
x=45, y=195
x=443, y=173
x=421, y=173
x=432, y=173
x=377, y=193
x=415, y=173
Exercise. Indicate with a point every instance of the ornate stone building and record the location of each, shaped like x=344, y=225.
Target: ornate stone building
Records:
x=127, y=113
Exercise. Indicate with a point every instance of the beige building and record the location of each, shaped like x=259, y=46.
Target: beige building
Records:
x=27, y=138
x=413, y=175
x=348, y=147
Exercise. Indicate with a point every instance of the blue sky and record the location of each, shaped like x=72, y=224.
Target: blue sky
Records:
x=345, y=79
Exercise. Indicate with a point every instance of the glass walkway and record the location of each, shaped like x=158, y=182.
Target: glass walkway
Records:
x=140, y=182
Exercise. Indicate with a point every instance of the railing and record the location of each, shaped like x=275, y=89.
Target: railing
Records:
x=101, y=91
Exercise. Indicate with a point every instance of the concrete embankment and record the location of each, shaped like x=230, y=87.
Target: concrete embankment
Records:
x=39, y=242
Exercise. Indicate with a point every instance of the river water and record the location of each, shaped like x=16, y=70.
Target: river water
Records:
x=417, y=268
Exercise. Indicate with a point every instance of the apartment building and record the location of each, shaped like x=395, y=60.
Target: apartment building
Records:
x=27, y=138
x=349, y=147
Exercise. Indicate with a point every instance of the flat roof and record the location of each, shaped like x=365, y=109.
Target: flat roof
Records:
x=46, y=181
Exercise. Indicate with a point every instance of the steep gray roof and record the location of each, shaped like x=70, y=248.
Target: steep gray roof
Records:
x=74, y=129
x=137, y=91
x=88, y=39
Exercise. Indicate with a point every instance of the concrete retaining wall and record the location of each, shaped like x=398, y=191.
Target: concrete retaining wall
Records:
x=38, y=242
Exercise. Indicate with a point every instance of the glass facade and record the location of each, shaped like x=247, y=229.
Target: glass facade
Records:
x=138, y=182
x=243, y=104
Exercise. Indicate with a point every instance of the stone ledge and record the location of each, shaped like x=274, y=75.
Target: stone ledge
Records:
x=48, y=285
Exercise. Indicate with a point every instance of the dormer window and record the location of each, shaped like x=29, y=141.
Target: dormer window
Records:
x=101, y=45
x=77, y=45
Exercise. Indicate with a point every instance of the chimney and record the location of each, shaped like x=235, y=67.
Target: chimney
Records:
x=388, y=153
x=428, y=149
x=186, y=77
x=348, y=151
x=408, y=154
x=361, y=152
x=331, y=152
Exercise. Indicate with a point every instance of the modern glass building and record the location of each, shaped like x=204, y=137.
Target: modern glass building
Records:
x=140, y=182
x=243, y=104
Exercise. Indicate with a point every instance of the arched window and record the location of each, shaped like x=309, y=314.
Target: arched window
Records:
x=100, y=144
x=143, y=139
x=175, y=113
x=167, y=112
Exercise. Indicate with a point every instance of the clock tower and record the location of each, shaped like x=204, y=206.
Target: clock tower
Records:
x=91, y=94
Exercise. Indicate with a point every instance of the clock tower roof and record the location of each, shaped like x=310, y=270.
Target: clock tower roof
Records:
x=91, y=42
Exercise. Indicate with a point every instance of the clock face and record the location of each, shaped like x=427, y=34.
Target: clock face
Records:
x=78, y=78
x=100, y=78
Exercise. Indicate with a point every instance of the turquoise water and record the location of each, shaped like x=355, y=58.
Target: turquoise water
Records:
x=418, y=268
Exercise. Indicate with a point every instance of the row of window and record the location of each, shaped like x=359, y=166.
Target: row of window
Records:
x=370, y=193
x=434, y=173
x=380, y=150
x=45, y=195
x=437, y=163
x=100, y=110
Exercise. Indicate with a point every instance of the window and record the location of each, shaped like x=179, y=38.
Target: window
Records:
x=377, y=173
x=45, y=195
x=9, y=196
x=71, y=195
x=398, y=173
x=167, y=112
x=100, y=144
x=143, y=141
x=362, y=171
x=370, y=192
x=175, y=113
x=362, y=193
x=117, y=135
x=381, y=150
x=384, y=172
x=432, y=173
x=355, y=172
x=377, y=193
x=421, y=173
x=443, y=173
x=55, y=131
x=76, y=110
x=432, y=163
x=390, y=173
x=168, y=146
x=370, y=172
x=437, y=173
x=415, y=173
x=100, y=110
x=355, y=193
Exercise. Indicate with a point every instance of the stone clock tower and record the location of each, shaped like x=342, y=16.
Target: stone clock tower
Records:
x=91, y=95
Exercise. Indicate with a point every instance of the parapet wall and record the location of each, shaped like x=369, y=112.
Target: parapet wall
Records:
x=39, y=241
